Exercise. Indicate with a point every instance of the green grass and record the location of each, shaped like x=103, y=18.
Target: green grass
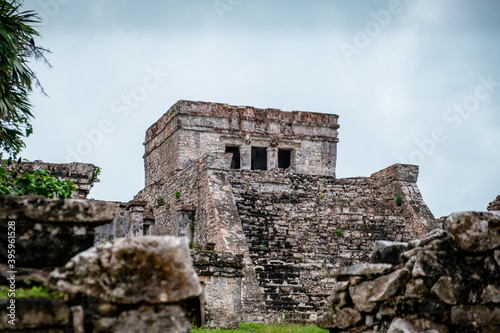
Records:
x=33, y=292
x=264, y=328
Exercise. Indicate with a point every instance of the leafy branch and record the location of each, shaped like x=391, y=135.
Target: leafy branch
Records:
x=38, y=182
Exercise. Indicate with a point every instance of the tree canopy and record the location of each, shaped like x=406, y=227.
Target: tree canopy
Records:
x=17, y=48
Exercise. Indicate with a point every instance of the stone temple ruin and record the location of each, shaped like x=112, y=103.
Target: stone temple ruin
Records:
x=260, y=185
x=271, y=232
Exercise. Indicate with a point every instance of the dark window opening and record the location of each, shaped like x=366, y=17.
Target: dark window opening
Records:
x=259, y=158
x=148, y=227
x=284, y=158
x=235, y=162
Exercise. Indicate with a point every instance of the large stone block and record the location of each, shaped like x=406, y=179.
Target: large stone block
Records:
x=131, y=270
x=340, y=319
x=475, y=232
x=366, y=294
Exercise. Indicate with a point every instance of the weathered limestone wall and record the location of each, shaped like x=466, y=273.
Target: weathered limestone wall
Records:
x=191, y=129
x=300, y=227
x=446, y=282
x=221, y=275
x=83, y=175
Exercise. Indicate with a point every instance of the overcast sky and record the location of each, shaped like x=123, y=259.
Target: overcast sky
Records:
x=412, y=81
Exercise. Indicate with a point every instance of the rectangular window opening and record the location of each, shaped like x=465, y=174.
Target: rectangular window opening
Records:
x=284, y=158
x=259, y=158
x=235, y=162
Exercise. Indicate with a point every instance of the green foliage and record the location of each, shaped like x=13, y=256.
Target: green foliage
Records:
x=192, y=226
x=301, y=259
x=263, y=247
x=264, y=328
x=322, y=197
x=17, y=47
x=340, y=232
x=38, y=182
x=33, y=292
x=177, y=194
x=160, y=201
x=399, y=201
x=194, y=247
x=96, y=173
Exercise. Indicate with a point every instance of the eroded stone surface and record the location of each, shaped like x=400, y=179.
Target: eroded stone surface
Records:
x=491, y=294
x=446, y=290
x=132, y=270
x=147, y=318
x=474, y=231
x=362, y=269
x=34, y=313
x=450, y=288
x=387, y=252
x=340, y=319
x=478, y=315
x=365, y=295
x=36, y=208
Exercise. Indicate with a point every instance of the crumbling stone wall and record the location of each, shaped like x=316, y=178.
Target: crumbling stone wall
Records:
x=83, y=175
x=137, y=284
x=446, y=282
x=48, y=232
x=300, y=227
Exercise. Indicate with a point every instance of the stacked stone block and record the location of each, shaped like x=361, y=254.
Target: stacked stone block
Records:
x=445, y=282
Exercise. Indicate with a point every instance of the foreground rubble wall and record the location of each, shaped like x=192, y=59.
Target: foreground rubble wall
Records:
x=447, y=281
x=140, y=284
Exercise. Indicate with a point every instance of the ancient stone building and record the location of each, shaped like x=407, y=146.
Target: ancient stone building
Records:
x=260, y=184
